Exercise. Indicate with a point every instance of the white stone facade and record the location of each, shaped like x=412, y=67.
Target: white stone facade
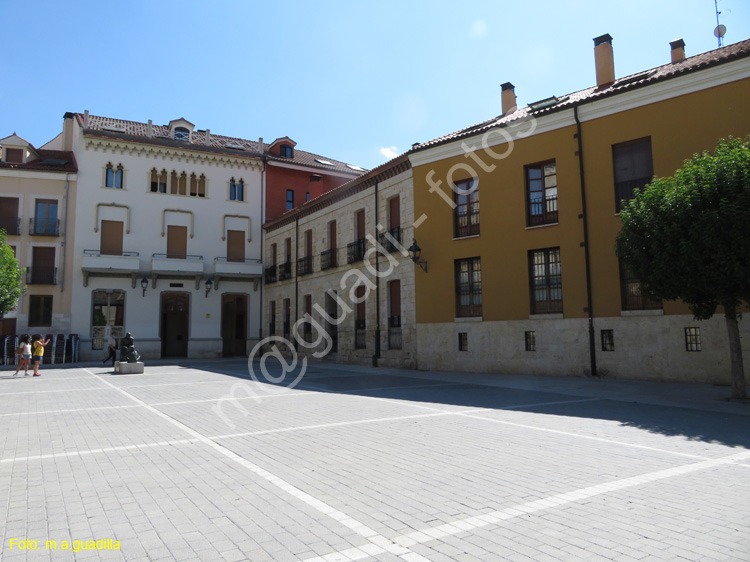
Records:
x=341, y=279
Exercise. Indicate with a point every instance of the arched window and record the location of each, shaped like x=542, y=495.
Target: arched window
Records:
x=232, y=190
x=241, y=190
x=193, y=185
x=119, y=176
x=109, y=176
x=236, y=190
x=158, y=181
x=173, y=183
x=202, y=186
x=183, y=183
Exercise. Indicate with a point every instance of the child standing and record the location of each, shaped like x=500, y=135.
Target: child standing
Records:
x=24, y=346
x=39, y=345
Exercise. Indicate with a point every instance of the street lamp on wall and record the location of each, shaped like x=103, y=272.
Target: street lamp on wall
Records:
x=415, y=252
x=144, y=286
x=209, y=285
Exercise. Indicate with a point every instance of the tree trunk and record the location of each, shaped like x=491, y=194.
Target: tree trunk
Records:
x=735, y=352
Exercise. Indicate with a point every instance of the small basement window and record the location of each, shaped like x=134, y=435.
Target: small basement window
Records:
x=692, y=339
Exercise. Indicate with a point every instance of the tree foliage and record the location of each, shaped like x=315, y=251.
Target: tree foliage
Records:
x=11, y=284
x=687, y=236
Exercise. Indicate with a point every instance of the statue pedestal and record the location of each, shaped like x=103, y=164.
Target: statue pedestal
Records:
x=124, y=368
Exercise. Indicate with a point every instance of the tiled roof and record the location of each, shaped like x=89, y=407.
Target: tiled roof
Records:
x=108, y=127
x=627, y=83
x=48, y=161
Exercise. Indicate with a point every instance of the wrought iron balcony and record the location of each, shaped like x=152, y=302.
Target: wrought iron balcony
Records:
x=304, y=266
x=328, y=259
x=386, y=243
x=11, y=226
x=270, y=274
x=44, y=227
x=41, y=275
x=285, y=271
x=355, y=251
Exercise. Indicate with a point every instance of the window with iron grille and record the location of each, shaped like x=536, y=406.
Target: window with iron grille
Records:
x=468, y=287
x=541, y=194
x=545, y=281
x=530, y=337
x=463, y=341
x=692, y=339
x=466, y=212
x=359, y=319
x=630, y=293
x=272, y=320
x=608, y=340
x=633, y=167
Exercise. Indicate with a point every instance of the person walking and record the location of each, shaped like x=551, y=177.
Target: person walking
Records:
x=24, y=346
x=39, y=345
x=112, y=345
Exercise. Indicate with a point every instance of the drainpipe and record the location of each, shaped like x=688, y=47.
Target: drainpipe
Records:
x=65, y=233
x=296, y=277
x=589, y=300
x=262, y=242
x=377, y=287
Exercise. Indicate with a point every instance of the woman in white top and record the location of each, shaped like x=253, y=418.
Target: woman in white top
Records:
x=25, y=359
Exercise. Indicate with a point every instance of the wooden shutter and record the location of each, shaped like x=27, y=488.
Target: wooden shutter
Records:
x=308, y=304
x=177, y=242
x=394, y=288
x=308, y=243
x=111, y=238
x=360, y=224
x=361, y=310
x=273, y=254
x=43, y=265
x=332, y=235
x=9, y=208
x=288, y=243
x=394, y=216
x=235, y=245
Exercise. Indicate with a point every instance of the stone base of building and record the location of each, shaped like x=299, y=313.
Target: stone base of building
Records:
x=129, y=368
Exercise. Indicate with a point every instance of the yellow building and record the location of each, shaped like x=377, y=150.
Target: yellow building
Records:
x=530, y=282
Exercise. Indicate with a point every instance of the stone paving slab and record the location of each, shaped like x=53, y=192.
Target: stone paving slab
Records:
x=371, y=464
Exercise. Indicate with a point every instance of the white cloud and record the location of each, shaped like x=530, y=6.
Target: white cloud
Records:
x=478, y=29
x=389, y=151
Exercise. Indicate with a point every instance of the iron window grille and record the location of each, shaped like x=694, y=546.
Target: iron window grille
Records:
x=270, y=274
x=355, y=251
x=328, y=259
x=463, y=341
x=692, y=339
x=608, y=340
x=541, y=194
x=530, y=337
x=545, y=280
x=285, y=271
x=304, y=266
x=466, y=212
x=468, y=287
x=386, y=243
x=630, y=293
x=395, y=338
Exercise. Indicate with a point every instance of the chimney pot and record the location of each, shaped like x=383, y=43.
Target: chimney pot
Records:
x=208, y=137
x=86, y=119
x=508, y=99
x=150, y=129
x=678, y=50
x=260, y=145
x=604, y=59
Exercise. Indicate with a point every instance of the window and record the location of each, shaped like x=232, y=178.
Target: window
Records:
x=45, y=218
x=307, y=196
x=394, y=315
x=181, y=134
x=360, y=335
x=158, y=181
x=463, y=341
x=355, y=251
x=304, y=264
x=43, y=270
x=40, y=310
x=176, y=242
x=633, y=167
x=545, y=280
x=328, y=257
x=113, y=176
x=193, y=185
x=530, y=338
x=9, y=220
x=541, y=194
x=108, y=312
x=111, y=238
x=692, y=339
x=289, y=199
x=287, y=318
x=236, y=190
x=287, y=151
x=14, y=155
x=236, y=245
x=630, y=293
x=608, y=340
x=307, y=326
x=468, y=287
x=466, y=213
x=272, y=320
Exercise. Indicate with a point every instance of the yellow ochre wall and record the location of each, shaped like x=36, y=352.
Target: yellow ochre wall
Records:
x=678, y=128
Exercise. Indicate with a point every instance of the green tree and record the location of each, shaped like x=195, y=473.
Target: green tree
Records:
x=11, y=284
x=687, y=237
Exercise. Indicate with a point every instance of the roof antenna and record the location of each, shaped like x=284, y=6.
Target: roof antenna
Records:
x=721, y=29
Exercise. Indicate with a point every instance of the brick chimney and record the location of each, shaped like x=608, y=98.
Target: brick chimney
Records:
x=605, y=60
x=508, y=98
x=678, y=50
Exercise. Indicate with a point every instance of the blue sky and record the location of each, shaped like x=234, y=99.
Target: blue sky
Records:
x=352, y=80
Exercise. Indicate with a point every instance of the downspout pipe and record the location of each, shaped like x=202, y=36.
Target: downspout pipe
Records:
x=377, y=285
x=587, y=257
x=296, y=277
x=65, y=233
x=262, y=242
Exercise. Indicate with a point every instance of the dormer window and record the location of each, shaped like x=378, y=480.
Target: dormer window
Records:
x=287, y=151
x=181, y=134
x=14, y=155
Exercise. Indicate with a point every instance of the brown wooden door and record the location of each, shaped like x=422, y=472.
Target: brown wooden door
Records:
x=235, y=245
x=175, y=321
x=111, y=241
x=177, y=242
x=234, y=324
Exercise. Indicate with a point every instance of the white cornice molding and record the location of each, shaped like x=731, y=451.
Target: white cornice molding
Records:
x=312, y=170
x=37, y=174
x=659, y=91
x=172, y=154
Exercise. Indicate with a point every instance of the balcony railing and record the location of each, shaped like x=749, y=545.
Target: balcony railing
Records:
x=177, y=256
x=389, y=246
x=328, y=259
x=355, y=251
x=360, y=338
x=394, y=332
x=304, y=266
x=11, y=226
x=285, y=271
x=41, y=275
x=120, y=253
x=270, y=274
x=44, y=227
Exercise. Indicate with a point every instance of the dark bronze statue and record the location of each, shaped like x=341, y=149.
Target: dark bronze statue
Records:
x=128, y=354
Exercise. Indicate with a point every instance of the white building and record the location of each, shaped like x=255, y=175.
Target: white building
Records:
x=168, y=237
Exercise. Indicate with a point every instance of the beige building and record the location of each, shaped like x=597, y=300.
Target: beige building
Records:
x=37, y=204
x=340, y=261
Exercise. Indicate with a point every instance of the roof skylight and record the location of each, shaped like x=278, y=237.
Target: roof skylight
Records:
x=324, y=162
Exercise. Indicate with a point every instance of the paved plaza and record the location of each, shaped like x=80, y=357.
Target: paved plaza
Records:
x=358, y=463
